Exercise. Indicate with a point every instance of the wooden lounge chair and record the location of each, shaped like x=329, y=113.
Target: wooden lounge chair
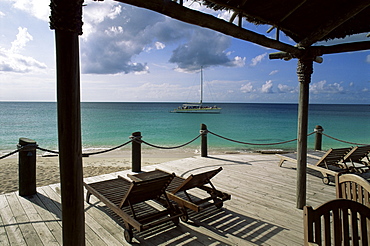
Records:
x=337, y=222
x=358, y=157
x=330, y=163
x=353, y=187
x=129, y=200
x=178, y=189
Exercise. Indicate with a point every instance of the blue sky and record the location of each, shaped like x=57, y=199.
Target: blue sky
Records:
x=131, y=54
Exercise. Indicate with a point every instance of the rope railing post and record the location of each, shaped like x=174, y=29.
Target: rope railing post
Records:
x=136, y=151
x=318, y=137
x=27, y=167
x=203, y=141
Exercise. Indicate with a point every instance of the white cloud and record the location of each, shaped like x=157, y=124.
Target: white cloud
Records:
x=95, y=13
x=322, y=87
x=273, y=72
x=159, y=45
x=238, y=61
x=286, y=89
x=267, y=87
x=12, y=61
x=131, y=31
x=2, y=14
x=37, y=8
x=205, y=48
x=23, y=37
x=257, y=59
x=246, y=88
x=114, y=31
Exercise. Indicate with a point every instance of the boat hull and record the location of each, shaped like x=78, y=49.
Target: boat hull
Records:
x=199, y=111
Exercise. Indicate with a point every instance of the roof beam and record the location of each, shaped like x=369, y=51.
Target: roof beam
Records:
x=341, y=48
x=176, y=11
x=329, y=26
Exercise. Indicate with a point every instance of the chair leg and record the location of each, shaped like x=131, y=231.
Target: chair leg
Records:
x=88, y=194
x=281, y=162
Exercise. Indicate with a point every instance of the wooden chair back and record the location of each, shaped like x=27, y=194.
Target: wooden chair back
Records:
x=353, y=187
x=337, y=222
x=197, y=180
x=146, y=190
x=357, y=154
x=333, y=157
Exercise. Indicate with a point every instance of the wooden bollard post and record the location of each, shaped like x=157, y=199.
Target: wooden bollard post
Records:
x=136, y=152
x=27, y=167
x=318, y=137
x=203, y=132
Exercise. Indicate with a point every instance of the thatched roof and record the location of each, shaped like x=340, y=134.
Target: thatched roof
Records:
x=313, y=20
x=305, y=22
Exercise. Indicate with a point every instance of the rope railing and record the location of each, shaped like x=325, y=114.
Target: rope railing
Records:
x=203, y=132
x=9, y=154
x=173, y=147
x=108, y=150
x=48, y=150
x=236, y=141
x=88, y=154
x=341, y=140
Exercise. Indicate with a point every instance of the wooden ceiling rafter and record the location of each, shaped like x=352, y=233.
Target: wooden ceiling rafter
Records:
x=341, y=48
x=236, y=13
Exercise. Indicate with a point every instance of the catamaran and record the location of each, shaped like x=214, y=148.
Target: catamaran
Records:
x=197, y=107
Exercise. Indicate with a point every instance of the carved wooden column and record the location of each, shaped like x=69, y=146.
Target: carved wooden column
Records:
x=66, y=19
x=304, y=71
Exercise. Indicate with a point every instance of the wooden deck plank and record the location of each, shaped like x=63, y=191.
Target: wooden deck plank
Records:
x=13, y=231
x=28, y=231
x=46, y=237
x=53, y=193
x=262, y=209
x=53, y=223
x=3, y=235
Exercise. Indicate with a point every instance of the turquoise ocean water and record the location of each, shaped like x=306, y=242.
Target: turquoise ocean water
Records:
x=106, y=125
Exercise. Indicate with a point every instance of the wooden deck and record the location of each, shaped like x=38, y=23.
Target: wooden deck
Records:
x=262, y=209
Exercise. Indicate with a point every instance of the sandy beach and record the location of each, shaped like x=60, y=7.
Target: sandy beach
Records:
x=47, y=168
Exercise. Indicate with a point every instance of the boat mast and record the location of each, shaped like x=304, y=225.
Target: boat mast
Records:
x=201, y=85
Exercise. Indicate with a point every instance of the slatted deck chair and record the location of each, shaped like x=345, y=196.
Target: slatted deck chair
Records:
x=353, y=187
x=178, y=189
x=337, y=222
x=358, y=157
x=129, y=200
x=330, y=163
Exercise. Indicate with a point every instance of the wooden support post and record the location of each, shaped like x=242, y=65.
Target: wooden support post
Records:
x=203, y=132
x=304, y=71
x=136, y=152
x=27, y=167
x=66, y=19
x=318, y=137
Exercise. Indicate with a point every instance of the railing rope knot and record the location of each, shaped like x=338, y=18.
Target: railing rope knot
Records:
x=27, y=147
x=203, y=132
x=136, y=139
